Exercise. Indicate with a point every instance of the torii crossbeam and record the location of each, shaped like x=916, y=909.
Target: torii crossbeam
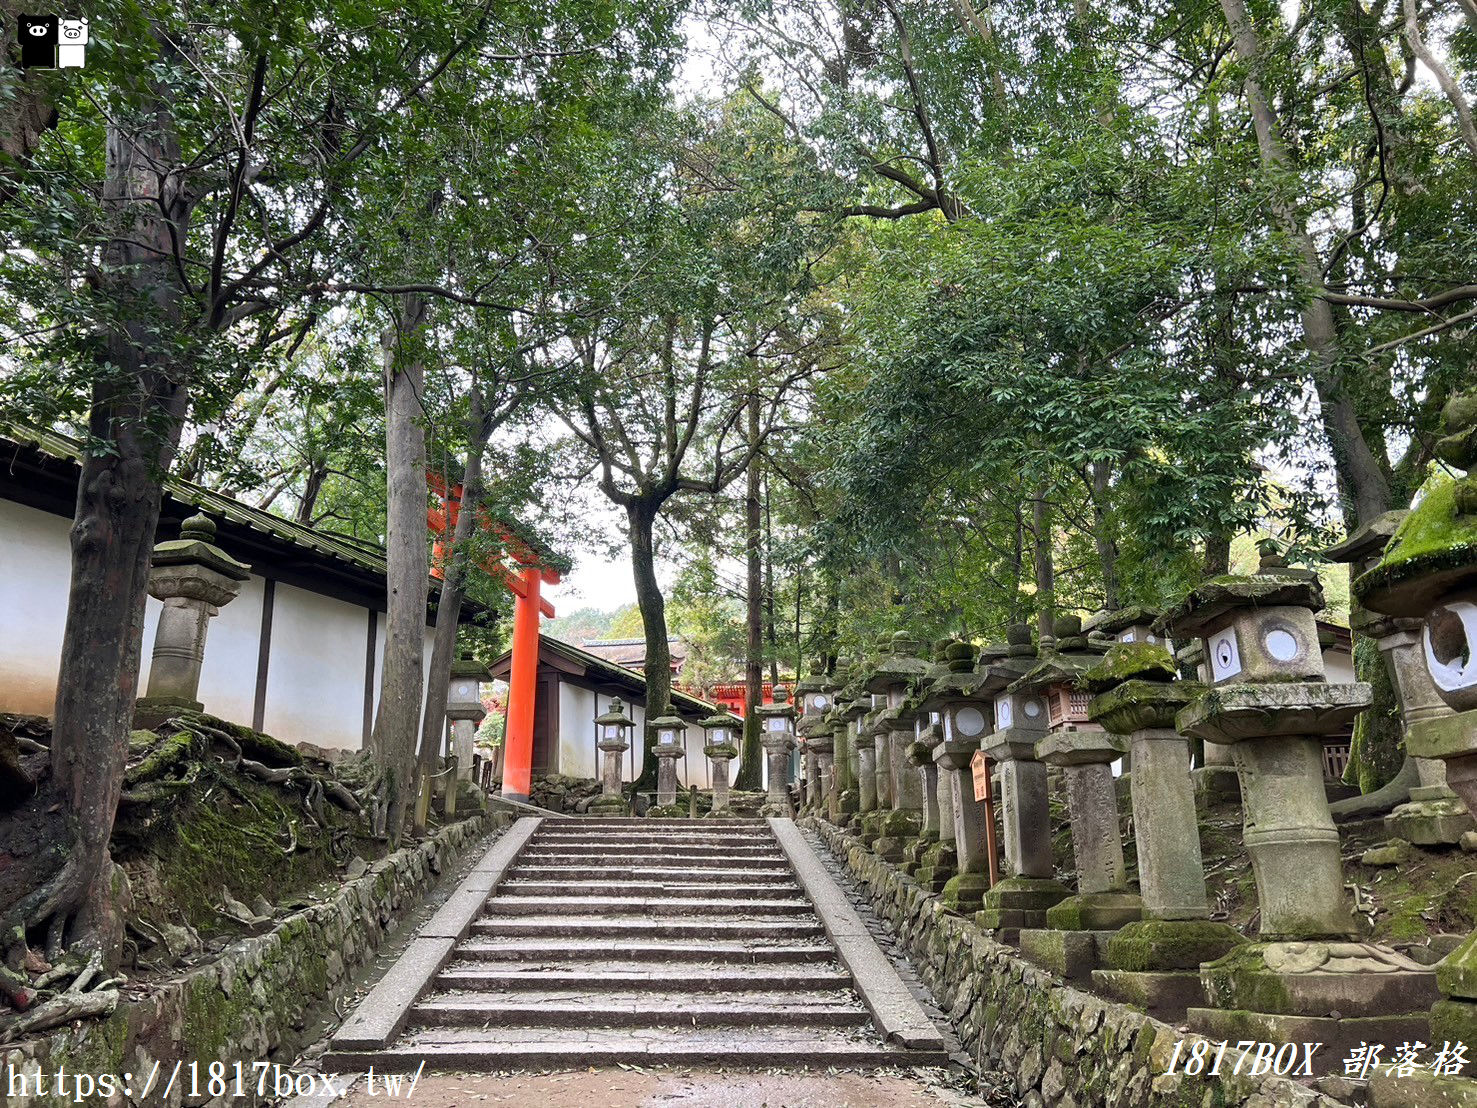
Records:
x=528, y=605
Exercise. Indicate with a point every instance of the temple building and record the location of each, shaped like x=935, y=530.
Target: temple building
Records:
x=296, y=653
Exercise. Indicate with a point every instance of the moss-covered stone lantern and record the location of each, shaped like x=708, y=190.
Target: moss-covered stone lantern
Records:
x=1155, y=962
x=966, y=712
x=777, y=736
x=721, y=748
x=1078, y=927
x=1307, y=977
x=815, y=693
x=1429, y=573
x=613, y=738
x=671, y=744
x=193, y=579
x=1021, y=899
x=464, y=709
x=900, y=799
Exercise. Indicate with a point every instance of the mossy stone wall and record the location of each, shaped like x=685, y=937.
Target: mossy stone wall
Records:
x=253, y=1002
x=1064, y=1047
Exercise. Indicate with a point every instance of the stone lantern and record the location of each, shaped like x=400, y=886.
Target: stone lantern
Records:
x=721, y=749
x=671, y=744
x=613, y=738
x=860, y=793
x=900, y=795
x=966, y=714
x=1155, y=962
x=777, y=734
x=1078, y=928
x=1306, y=978
x=1432, y=814
x=194, y=579
x=1429, y=573
x=815, y=693
x=1029, y=888
x=464, y=709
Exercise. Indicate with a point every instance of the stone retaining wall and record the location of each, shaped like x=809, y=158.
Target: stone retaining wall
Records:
x=1065, y=1048
x=253, y=1002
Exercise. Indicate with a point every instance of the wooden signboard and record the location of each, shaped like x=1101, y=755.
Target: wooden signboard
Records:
x=981, y=767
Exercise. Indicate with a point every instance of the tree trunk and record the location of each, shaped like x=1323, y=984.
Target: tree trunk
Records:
x=1362, y=476
x=641, y=520
x=449, y=606
x=396, y=723
x=57, y=877
x=751, y=756
x=1103, y=534
x=769, y=616
x=1045, y=572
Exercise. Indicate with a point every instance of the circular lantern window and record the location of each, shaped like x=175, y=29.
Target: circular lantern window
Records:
x=1282, y=645
x=969, y=721
x=1032, y=708
x=1450, y=639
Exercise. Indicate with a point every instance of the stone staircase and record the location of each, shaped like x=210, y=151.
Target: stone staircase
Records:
x=607, y=940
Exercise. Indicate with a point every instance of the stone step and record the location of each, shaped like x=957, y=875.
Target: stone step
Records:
x=695, y=928
x=649, y=888
x=580, y=1009
x=652, y=826
x=470, y=1049
x=622, y=976
x=687, y=875
x=561, y=951
x=630, y=838
x=614, y=907
x=770, y=859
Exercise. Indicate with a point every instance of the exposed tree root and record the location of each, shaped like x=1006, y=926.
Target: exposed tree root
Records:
x=54, y=1013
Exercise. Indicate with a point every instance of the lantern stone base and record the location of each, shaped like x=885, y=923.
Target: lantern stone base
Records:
x=1162, y=944
x=1069, y=954
x=1215, y=784
x=966, y=892
x=1455, y=1015
x=1421, y=1089
x=1164, y=994
x=609, y=806
x=938, y=863
x=1338, y=1036
x=1323, y=979
x=151, y=711
x=913, y=856
x=1095, y=911
x=773, y=810
x=668, y=811
x=1018, y=903
x=1432, y=817
x=870, y=826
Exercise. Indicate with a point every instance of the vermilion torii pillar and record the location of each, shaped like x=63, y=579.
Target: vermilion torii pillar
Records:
x=528, y=605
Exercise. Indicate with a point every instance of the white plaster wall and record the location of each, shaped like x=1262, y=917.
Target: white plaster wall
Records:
x=315, y=680
x=35, y=571
x=1339, y=667
x=228, y=675
x=577, y=751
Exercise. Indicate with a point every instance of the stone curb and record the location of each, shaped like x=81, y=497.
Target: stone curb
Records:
x=383, y=1012
x=898, y=1016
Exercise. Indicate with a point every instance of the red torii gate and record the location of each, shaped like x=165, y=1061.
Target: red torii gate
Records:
x=525, y=585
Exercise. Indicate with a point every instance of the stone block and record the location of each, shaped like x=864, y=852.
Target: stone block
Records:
x=1164, y=994
x=1170, y=944
x=1095, y=911
x=1421, y=1089
x=1456, y=974
x=1325, y=979
x=966, y=892
x=1396, y=852
x=1338, y=1036
x=1431, y=822
x=1454, y=1020
x=1214, y=784
x=1069, y=954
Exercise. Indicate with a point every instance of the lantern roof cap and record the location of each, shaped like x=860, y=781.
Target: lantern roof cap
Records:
x=196, y=546
x=999, y=675
x=1057, y=668
x=951, y=687
x=468, y=666
x=1368, y=540
x=615, y=713
x=1111, y=622
x=668, y=721
x=720, y=719
x=1130, y=661
x=1433, y=553
x=1212, y=600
